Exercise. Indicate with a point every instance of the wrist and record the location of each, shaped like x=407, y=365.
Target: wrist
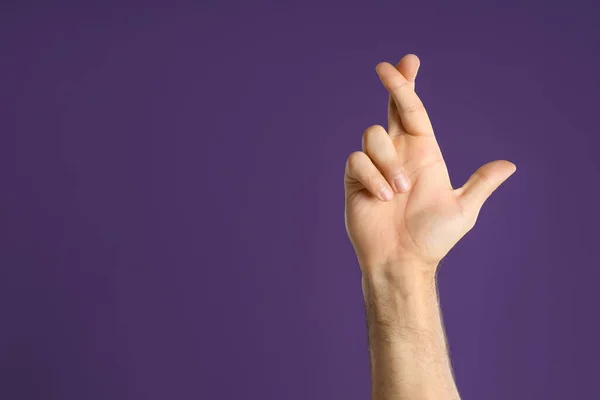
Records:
x=408, y=276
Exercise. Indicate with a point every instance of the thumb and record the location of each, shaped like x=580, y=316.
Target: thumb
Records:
x=479, y=187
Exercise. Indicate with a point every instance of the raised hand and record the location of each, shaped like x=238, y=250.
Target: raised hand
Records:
x=400, y=204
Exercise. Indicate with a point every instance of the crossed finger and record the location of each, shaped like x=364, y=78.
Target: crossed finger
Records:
x=408, y=67
x=411, y=110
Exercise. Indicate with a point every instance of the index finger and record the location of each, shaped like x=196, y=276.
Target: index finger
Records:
x=410, y=107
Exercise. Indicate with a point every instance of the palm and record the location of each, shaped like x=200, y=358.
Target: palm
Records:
x=420, y=224
x=428, y=220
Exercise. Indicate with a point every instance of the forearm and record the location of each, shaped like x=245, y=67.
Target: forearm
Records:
x=407, y=344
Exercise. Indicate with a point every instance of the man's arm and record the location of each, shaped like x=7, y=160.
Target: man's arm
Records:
x=403, y=216
x=407, y=345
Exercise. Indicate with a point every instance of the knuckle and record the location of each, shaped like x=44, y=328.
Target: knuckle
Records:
x=400, y=86
x=413, y=108
x=373, y=130
x=373, y=181
x=375, y=142
x=354, y=160
x=482, y=177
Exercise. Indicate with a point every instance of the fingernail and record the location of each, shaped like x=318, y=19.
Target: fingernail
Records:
x=386, y=193
x=401, y=183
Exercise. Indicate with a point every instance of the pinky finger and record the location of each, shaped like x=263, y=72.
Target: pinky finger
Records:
x=360, y=168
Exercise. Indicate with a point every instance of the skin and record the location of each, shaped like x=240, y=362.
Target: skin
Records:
x=402, y=217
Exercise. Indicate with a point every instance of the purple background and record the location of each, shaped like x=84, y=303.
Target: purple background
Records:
x=172, y=197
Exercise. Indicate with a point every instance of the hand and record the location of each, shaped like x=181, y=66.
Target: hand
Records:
x=400, y=205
